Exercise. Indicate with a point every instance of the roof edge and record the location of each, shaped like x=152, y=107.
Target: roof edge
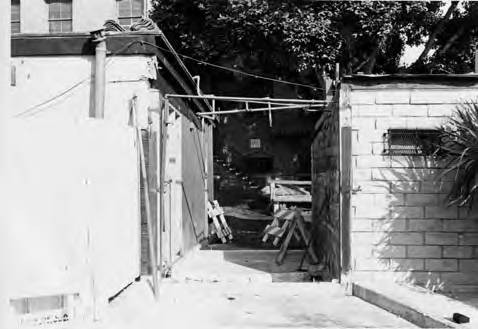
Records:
x=423, y=78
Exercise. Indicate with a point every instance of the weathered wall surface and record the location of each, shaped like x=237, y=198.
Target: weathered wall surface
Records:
x=76, y=191
x=75, y=196
x=34, y=15
x=325, y=189
x=209, y=150
x=61, y=88
x=401, y=228
x=78, y=177
x=173, y=239
x=195, y=154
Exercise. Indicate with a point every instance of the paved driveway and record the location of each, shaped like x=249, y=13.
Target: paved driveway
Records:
x=249, y=305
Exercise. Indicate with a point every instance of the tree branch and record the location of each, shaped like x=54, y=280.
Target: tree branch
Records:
x=452, y=40
x=431, y=40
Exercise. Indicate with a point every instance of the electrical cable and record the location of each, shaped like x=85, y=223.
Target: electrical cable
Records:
x=256, y=76
x=76, y=85
x=31, y=110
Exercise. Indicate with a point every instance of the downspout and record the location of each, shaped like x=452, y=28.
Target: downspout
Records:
x=99, y=39
x=98, y=305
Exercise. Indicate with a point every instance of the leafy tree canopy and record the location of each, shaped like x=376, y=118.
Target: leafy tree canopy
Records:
x=299, y=39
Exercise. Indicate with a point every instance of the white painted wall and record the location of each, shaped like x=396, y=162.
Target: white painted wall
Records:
x=60, y=87
x=87, y=15
x=76, y=192
x=4, y=104
x=76, y=201
x=174, y=192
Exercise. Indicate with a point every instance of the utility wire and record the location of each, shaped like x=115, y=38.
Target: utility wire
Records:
x=31, y=110
x=76, y=85
x=256, y=76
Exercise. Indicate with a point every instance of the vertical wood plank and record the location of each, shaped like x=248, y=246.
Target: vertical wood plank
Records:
x=346, y=180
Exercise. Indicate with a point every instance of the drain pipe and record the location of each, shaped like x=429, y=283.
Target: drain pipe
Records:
x=99, y=38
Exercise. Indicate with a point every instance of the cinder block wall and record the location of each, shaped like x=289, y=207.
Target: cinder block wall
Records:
x=401, y=228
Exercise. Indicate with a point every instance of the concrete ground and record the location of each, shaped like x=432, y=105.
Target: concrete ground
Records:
x=248, y=305
x=241, y=266
x=213, y=290
x=419, y=305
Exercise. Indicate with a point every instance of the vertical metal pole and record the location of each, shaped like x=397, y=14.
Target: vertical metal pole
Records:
x=100, y=74
x=162, y=176
x=337, y=74
x=476, y=57
x=214, y=108
x=206, y=189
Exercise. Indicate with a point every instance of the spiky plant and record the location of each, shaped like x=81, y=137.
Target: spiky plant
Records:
x=458, y=148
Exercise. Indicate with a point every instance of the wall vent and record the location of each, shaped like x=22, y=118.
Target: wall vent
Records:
x=44, y=310
x=411, y=141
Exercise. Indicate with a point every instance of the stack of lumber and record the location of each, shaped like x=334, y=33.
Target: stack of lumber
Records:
x=288, y=223
x=219, y=224
x=288, y=191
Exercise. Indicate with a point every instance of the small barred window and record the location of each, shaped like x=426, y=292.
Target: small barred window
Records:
x=411, y=141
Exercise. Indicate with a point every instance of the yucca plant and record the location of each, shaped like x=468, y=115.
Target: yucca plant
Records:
x=458, y=148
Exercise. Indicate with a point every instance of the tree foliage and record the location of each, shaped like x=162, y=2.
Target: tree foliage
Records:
x=459, y=150
x=299, y=39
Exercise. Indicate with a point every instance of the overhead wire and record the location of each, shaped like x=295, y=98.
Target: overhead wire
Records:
x=256, y=76
x=31, y=110
x=79, y=83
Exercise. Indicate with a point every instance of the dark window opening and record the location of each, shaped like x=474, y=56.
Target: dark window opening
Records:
x=15, y=20
x=411, y=141
x=259, y=165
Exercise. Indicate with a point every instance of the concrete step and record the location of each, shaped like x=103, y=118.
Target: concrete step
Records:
x=244, y=266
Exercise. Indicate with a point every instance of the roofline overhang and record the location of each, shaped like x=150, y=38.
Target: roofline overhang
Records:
x=118, y=44
x=451, y=79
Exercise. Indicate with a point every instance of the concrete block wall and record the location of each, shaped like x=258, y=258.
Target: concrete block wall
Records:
x=401, y=228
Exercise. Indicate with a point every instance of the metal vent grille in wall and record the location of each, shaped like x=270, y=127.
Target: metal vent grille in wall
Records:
x=43, y=310
x=411, y=141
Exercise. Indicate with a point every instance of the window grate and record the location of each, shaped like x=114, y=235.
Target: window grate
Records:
x=411, y=141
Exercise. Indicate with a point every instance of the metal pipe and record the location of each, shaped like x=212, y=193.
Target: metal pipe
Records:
x=262, y=109
x=100, y=75
x=476, y=58
x=249, y=99
x=163, y=116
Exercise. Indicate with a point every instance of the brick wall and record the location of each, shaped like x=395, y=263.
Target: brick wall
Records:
x=401, y=227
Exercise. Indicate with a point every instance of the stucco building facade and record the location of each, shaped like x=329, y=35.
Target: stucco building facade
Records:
x=78, y=186
x=60, y=16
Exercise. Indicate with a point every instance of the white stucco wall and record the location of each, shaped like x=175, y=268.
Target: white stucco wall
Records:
x=61, y=87
x=87, y=15
x=75, y=192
